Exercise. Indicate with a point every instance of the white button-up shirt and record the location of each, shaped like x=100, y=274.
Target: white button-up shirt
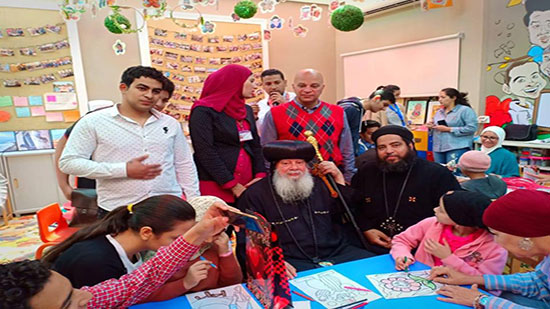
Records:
x=111, y=140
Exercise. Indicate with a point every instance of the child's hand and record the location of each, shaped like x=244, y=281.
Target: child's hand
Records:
x=196, y=273
x=221, y=242
x=291, y=272
x=400, y=263
x=436, y=249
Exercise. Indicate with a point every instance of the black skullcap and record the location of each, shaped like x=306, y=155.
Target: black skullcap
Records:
x=466, y=207
x=393, y=129
x=280, y=150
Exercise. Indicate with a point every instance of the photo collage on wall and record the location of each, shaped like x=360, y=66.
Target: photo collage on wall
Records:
x=38, y=98
x=187, y=58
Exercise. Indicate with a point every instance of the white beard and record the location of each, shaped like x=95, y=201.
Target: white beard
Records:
x=293, y=190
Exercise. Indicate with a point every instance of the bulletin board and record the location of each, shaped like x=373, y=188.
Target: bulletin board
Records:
x=188, y=56
x=41, y=78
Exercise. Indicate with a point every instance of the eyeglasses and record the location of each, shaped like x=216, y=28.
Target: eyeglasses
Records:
x=491, y=138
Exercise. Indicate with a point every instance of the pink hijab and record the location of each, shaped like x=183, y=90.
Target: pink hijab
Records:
x=223, y=91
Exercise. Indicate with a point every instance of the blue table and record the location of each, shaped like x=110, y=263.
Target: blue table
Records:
x=356, y=271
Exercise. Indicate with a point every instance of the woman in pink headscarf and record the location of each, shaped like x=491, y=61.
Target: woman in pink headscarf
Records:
x=224, y=135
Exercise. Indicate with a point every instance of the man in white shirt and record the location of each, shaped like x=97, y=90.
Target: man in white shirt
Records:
x=274, y=85
x=136, y=152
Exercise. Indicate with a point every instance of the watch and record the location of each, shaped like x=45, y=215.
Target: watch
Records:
x=481, y=301
x=484, y=300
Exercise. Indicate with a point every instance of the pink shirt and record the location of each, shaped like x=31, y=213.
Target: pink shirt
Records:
x=454, y=241
x=480, y=256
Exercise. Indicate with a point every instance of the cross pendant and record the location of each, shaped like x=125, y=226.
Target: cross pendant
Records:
x=391, y=226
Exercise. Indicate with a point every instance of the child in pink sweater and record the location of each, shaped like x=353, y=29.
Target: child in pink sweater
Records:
x=455, y=237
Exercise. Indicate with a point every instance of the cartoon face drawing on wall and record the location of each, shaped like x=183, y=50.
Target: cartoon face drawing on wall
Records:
x=524, y=80
x=539, y=28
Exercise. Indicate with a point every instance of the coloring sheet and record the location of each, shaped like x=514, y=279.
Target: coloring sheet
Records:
x=404, y=284
x=333, y=290
x=230, y=297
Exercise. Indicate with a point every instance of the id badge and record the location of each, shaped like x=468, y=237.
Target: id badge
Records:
x=245, y=136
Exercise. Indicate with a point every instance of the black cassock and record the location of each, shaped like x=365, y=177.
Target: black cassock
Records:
x=427, y=182
x=310, y=231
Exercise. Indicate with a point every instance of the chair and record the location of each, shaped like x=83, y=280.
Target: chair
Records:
x=7, y=211
x=47, y=216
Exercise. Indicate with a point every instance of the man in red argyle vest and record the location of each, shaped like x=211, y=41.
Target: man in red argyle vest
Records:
x=306, y=112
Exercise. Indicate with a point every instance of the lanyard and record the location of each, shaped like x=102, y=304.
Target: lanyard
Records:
x=396, y=110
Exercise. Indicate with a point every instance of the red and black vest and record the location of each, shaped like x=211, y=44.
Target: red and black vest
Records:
x=326, y=123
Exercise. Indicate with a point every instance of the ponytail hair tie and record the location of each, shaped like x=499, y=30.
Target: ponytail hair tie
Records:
x=129, y=207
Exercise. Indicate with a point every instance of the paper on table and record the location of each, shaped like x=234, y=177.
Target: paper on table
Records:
x=60, y=101
x=54, y=117
x=38, y=111
x=20, y=101
x=229, y=297
x=329, y=289
x=301, y=304
x=404, y=284
x=5, y=101
x=22, y=112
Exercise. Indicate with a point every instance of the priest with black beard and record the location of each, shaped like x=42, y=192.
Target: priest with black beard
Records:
x=397, y=190
x=300, y=208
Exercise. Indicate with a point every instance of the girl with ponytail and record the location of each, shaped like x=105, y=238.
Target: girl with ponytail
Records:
x=110, y=248
x=453, y=126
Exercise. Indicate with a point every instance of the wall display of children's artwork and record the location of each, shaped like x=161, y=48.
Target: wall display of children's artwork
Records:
x=333, y=290
x=433, y=107
x=39, y=49
x=404, y=284
x=58, y=101
x=416, y=111
x=7, y=141
x=229, y=297
x=56, y=134
x=187, y=56
x=33, y=140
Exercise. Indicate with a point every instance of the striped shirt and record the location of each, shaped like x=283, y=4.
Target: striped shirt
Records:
x=139, y=284
x=534, y=285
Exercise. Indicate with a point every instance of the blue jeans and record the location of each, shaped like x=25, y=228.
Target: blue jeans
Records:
x=447, y=156
x=524, y=301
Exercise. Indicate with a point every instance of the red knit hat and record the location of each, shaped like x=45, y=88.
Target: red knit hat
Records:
x=524, y=213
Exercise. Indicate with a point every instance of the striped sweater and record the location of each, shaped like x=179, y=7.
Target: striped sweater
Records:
x=532, y=285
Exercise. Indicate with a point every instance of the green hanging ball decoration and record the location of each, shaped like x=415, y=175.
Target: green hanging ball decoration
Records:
x=117, y=23
x=245, y=9
x=347, y=18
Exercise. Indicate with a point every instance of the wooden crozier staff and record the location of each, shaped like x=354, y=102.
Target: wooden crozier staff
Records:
x=333, y=187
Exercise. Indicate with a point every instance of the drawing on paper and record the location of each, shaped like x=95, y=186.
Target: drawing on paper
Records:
x=333, y=290
x=231, y=297
x=404, y=284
